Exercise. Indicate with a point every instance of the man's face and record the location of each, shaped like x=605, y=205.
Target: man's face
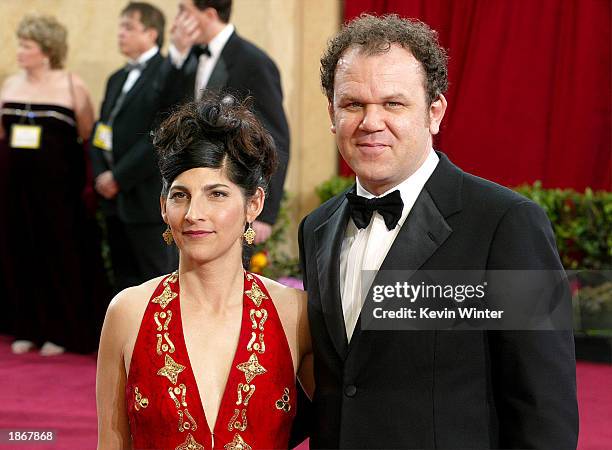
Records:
x=380, y=116
x=134, y=38
x=202, y=17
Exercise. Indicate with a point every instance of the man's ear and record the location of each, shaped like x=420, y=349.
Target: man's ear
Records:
x=211, y=14
x=436, y=114
x=330, y=111
x=255, y=205
x=162, y=205
x=153, y=34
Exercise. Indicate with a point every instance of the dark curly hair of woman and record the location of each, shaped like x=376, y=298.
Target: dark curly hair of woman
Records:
x=217, y=132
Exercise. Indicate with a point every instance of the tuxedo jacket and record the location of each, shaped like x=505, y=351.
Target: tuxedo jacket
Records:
x=245, y=70
x=439, y=389
x=134, y=158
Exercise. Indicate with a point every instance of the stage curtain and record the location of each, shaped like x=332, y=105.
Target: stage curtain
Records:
x=530, y=83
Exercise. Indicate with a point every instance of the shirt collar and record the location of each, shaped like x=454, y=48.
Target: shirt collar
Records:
x=411, y=186
x=146, y=56
x=216, y=44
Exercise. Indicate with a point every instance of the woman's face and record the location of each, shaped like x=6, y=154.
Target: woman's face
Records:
x=207, y=213
x=30, y=55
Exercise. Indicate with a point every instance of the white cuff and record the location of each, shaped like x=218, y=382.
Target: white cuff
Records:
x=176, y=57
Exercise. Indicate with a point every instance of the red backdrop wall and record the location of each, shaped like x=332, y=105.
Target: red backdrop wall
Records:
x=530, y=86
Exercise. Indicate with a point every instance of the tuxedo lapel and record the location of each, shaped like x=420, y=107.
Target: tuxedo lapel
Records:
x=114, y=91
x=149, y=71
x=424, y=230
x=328, y=239
x=219, y=76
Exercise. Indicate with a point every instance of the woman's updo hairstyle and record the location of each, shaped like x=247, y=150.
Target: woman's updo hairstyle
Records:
x=217, y=132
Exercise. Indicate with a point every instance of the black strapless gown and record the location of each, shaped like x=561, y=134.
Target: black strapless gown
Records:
x=53, y=275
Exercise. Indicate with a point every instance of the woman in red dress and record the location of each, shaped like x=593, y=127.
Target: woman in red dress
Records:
x=206, y=357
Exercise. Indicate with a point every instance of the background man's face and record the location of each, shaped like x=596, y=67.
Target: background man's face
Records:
x=187, y=6
x=201, y=17
x=380, y=116
x=134, y=38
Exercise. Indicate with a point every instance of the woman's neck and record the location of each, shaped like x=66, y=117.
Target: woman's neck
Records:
x=215, y=284
x=38, y=74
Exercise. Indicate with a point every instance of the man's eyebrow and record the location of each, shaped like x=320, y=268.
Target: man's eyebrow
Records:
x=395, y=96
x=347, y=97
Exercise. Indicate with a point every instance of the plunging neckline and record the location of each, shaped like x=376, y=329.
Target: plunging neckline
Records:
x=183, y=342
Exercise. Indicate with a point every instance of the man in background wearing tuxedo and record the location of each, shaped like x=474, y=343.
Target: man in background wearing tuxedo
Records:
x=123, y=159
x=207, y=53
x=412, y=209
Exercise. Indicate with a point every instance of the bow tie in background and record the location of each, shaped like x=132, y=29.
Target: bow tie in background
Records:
x=134, y=66
x=199, y=50
x=390, y=207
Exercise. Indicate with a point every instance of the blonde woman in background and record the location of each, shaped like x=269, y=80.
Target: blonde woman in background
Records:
x=46, y=112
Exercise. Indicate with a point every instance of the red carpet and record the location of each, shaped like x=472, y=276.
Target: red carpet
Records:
x=57, y=393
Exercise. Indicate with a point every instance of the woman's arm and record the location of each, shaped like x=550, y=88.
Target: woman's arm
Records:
x=4, y=92
x=305, y=370
x=113, y=427
x=83, y=108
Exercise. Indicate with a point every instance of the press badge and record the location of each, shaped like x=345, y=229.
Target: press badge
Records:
x=103, y=137
x=26, y=136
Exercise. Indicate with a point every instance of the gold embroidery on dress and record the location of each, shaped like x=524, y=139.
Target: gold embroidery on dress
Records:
x=139, y=400
x=239, y=425
x=172, y=278
x=251, y=368
x=259, y=347
x=190, y=444
x=165, y=297
x=256, y=294
x=162, y=315
x=248, y=389
x=181, y=390
x=169, y=347
x=171, y=369
x=237, y=444
x=261, y=314
x=190, y=424
x=283, y=403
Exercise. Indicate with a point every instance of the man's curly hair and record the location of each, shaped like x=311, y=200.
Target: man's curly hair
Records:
x=375, y=35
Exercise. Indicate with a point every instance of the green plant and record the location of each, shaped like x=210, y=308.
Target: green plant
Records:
x=596, y=299
x=279, y=263
x=582, y=223
x=332, y=187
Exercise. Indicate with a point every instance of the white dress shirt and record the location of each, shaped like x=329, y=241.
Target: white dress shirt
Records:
x=366, y=249
x=206, y=64
x=134, y=74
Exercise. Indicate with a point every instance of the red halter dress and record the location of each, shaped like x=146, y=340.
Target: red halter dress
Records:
x=163, y=402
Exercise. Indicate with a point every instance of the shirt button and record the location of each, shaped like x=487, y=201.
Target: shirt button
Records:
x=350, y=390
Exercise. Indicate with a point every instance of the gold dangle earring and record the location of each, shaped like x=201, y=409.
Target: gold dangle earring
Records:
x=249, y=235
x=167, y=235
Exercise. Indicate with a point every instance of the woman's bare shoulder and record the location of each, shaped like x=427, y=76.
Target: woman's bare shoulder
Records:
x=80, y=88
x=133, y=300
x=284, y=296
x=9, y=83
x=77, y=81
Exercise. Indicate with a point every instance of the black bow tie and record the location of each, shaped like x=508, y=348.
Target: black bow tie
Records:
x=390, y=207
x=199, y=50
x=134, y=66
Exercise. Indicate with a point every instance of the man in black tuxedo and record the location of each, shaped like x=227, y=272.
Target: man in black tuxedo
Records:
x=384, y=79
x=207, y=53
x=123, y=159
